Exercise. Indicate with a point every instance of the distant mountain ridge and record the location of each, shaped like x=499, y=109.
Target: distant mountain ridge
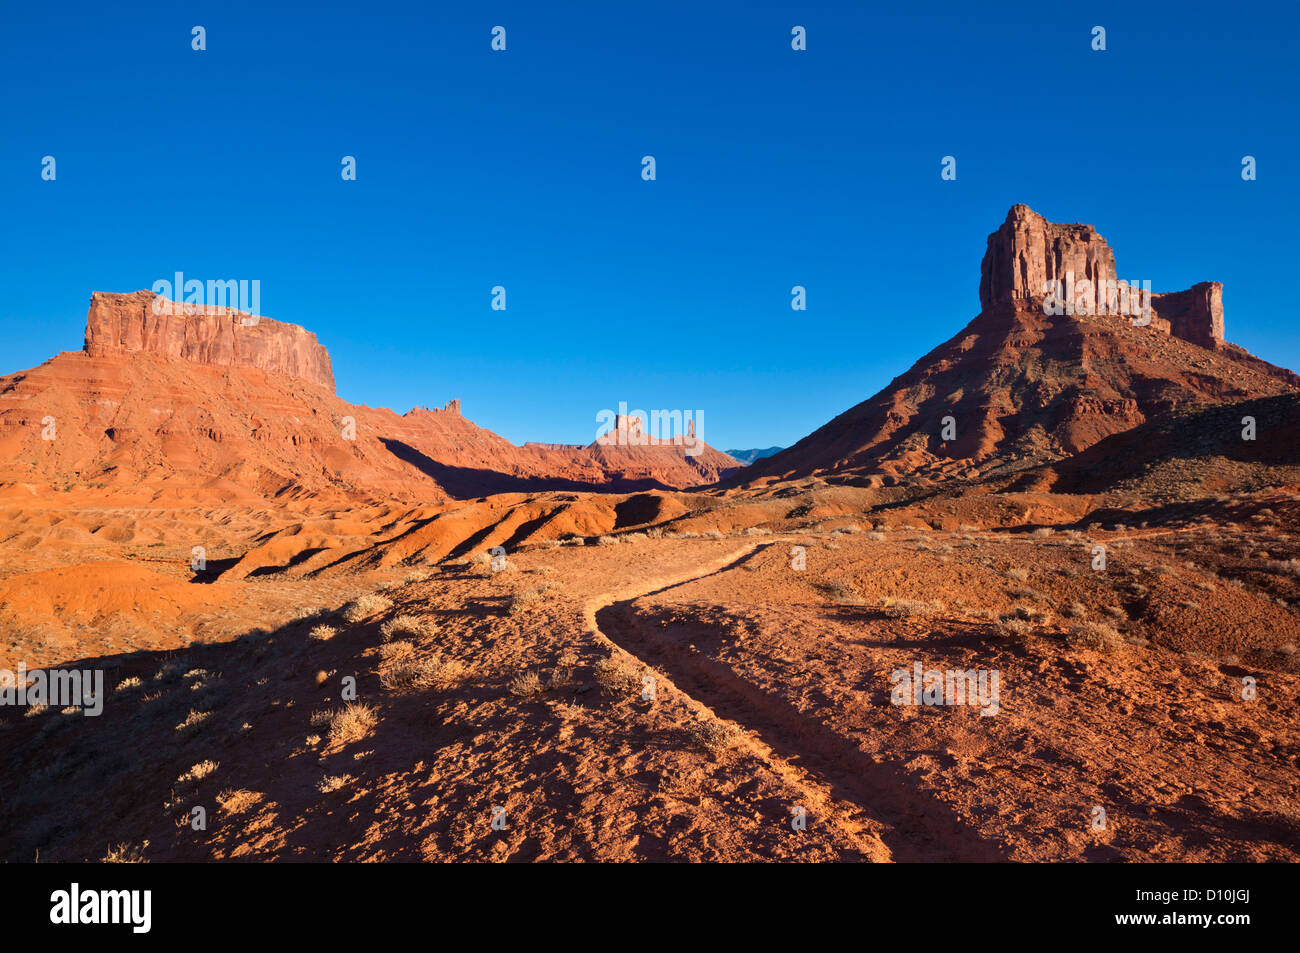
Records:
x=747, y=457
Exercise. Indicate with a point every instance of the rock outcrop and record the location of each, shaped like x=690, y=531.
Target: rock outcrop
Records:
x=1028, y=254
x=1028, y=251
x=1029, y=382
x=216, y=336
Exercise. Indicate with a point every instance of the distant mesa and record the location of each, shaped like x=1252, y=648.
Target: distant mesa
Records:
x=216, y=336
x=186, y=402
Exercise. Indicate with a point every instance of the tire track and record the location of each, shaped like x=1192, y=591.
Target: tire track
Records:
x=840, y=784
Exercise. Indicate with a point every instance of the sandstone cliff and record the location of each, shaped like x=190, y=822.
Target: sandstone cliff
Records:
x=219, y=337
x=1023, y=383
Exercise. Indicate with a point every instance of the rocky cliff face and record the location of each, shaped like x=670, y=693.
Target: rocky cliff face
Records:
x=1023, y=382
x=220, y=337
x=1028, y=253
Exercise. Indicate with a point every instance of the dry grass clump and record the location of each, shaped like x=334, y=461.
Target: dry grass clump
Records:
x=1291, y=566
x=618, y=676
x=1094, y=635
x=237, y=800
x=875, y=536
x=1042, y=532
x=352, y=722
x=323, y=633
x=521, y=600
x=841, y=590
x=1014, y=625
x=330, y=784
x=607, y=541
x=193, y=722
x=415, y=674
x=713, y=534
x=416, y=575
x=1024, y=592
x=1019, y=575
x=366, y=606
x=169, y=672
x=564, y=674
x=126, y=854
x=404, y=624
x=128, y=684
x=527, y=685
x=910, y=608
x=198, y=772
x=1075, y=610
x=758, y=531
x=712, y=735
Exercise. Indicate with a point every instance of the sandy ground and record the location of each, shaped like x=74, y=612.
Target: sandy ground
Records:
x=674, y=696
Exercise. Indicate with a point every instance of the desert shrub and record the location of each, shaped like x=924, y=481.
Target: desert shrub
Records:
x=323, y=633
x=618, y=676
x=527, y=685
x=416, y=575
x=841, y=590
x=237, y=800
x=404, y=624
x=352, y=722
x=1291, y=566
x=1042, y=532
x=414, y=674
x=711, y=735
x=1094, y=635
x=330, y=784
x=1019, y=575
x=758, y=531
x=875, y=537
x=655, y=532
x=169, y=672
x=193, y=722
x=1076, y=610
x=1014, y=626
x=480, y=559
x=520, y=601
x=126, y=854
x=366, y=606
x=1024, y=592
x=198, y=772
x=910, y=608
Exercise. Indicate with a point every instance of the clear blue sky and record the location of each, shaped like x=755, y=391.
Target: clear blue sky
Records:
x=522, y=169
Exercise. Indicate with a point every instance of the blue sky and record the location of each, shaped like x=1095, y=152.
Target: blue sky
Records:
x=523, y=169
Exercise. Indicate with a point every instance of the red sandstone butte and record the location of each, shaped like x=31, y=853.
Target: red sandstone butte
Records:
x=216, y=336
